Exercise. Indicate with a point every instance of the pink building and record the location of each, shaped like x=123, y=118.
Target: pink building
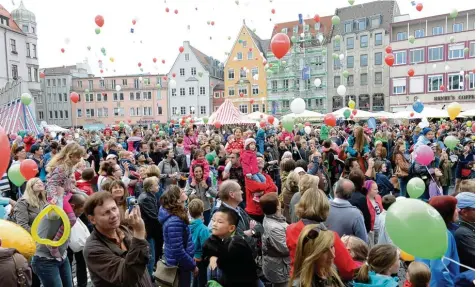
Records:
x=141, y=99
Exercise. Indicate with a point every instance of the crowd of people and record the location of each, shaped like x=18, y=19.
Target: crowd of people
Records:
x=238, y=206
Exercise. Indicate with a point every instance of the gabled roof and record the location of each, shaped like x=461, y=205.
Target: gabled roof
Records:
x=325, y=28
x=59, y=70
x=261, y=44
x=12, y=24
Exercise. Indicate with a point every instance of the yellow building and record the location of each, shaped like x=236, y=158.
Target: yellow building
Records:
x=245, y=74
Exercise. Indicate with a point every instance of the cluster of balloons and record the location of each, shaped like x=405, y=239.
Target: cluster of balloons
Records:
x=19, y=173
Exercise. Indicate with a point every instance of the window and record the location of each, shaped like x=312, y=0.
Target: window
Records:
x=231, y=91
x=417, y=56
x=317, y=26
x=364, y=41
x=114, y=97
x=89, y=113
x=375, y=23
x=29, y=74
x=80, y=84
x=244, y=109
x=250, y=55
x=350, y=61
x=182, y=72
x=336, y=81
x=193, y=71
x=34, y=50
x=146, y=81
x=54, y=97
x=216, y=95
x=255, y=108
x=147, y=111
x=24, y=28
x=244, y=43
x=174, y=92
x=242, y=74
x=378, y=39
x=89, y=98
x=348, y=27
x=350, y=81
x=183, y=110
x=378, y=58
x=437, y=31
x=159, y=110
x=399, y=86
x=349, y=43
x=182, y=91
x=90, y=84
x=56, y=114
x=51, y=114
x=364, y=60
x=361, y=24
x=336, y=45
x=100, y=115
x=285, y=85
x=286, y=104
x=147, y=95
x=104, y=97
x=337, y=64
x=28, y=50
x=284, y=30
x=274, y=86
x=254, y=71
x=202, y=91
x=191, y=91
x=203, y=110
x=296, y=29
x=255, y=89
x=400, y=57
x=136, y=83
x=378, y=78
x=124, y=82
x=471, y=81
x=36, y=70
x=113, y=84
x=239, y=56
x=41, y=115
x=137, y=96
x=419, y=33
x=54, y=82
x=13, y=45
x=471, y=49
x=455, y=82
x=15, y=72
x=64, y=82
x=434, y=83
x=117, y=111
x=363, y=79
x=231, y=74
x=457, y=27
x=243, y=91
x=60, y=97
x=417, y=85
x=187, y=57
x=401, y=36
x=435, y=53
x=306, y=28
x=174, y=111
x=456, y=51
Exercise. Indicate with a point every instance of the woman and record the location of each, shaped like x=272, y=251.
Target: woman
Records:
x=313, y=208
x=446, y=175
x=464, y=165
x=315, y=255
x=306, y=182
x=290, y=187
x=30, y=204
x=110, y=172
x=402, y=167
x=203, y=188
x=37, y=156
x=119, y=192
x=190, y=143
x=359, y=196
x=178, y=243
x=169, y=170
x=384, y=185
x=19, y=155
x=150, y=215
x=237, y=145
x=382, y=262
x=374, y=204
x=358, y=146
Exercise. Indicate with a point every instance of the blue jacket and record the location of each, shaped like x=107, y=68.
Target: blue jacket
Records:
x=384, y=185
x=175, y=231
x=200, y=234
x=444, y=272
x=378, y=280
x=350, y=149
x=465, y=279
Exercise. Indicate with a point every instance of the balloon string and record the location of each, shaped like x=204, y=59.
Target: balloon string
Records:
x=456, y=262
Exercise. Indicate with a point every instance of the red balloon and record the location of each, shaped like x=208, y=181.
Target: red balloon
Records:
x=317, y=18
x=280, y=45
x=42, y=75
x=388, y=49
x=101, y=71
x=163, y=61
x=165, y=78
x=241, y=95
x=181, y=49
x=262, y=124
x=173, y=75
x=442, y=88
x=139, y=64
x=167, y=10
x=411, y=72
x=74, y=97
x=270, y=119
x=330, y=120
x=389, y=59
x=99, y=20
x=4, y=151
x=412, y=114
x=419, y=7
x=213, y=23
x=134, y=22
x=251, y=49
x=217, y=125
x=176, y=11
x=252, y=101
x=273, y=11
x=154, y=60
x=28, y=168
x=351, y=117
x=354, y=112
x=62, y=50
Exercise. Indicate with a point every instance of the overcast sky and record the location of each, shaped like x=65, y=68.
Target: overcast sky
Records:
x=160, y=34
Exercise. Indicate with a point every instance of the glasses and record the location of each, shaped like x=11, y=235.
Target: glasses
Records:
x=313, y=234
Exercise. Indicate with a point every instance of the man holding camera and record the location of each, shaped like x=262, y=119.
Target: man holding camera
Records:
x=115, y=256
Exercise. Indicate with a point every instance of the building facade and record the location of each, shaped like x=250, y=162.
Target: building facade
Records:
x=141, y=99
x=218, y=96
x=442, y=58
x=360, y=53
x=294, y=75
x=19, y=68
x=195, y=74
x=245, y=75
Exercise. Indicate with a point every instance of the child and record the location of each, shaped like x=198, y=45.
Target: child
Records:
x=358, y=249
x=199, y=159
x=249, y=163
x=85, y=183
x=383, y=260
x=179, y=147
x=418, y=275
x=200, y=234
x=383, y=237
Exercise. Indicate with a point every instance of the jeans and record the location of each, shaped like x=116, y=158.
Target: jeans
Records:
x=403, y=186
x=258, y=177
x=185, y=278
x=52, y=273
x=81, y=270
x=151, y=264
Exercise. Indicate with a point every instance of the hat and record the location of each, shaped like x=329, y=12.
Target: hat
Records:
x=248, y=141
x=467, y=141
x=34, y=148
x=299, y=169
x=465, y=200
x=425, y=131
x=111, y=156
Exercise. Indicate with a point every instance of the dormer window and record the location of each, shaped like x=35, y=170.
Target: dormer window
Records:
x=361, y=24
x=24, y=28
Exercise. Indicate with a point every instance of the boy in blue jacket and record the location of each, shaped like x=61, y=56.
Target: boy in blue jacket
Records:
x=200, y=234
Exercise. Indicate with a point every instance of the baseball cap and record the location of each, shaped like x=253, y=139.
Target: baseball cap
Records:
x=465, y=200
x=111, y=156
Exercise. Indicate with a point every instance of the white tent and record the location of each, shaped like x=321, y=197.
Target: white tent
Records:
x=257, y=116
x=360, y=114
x=387, y=115
x=55, y=128
x=309, y=115
x=426, y=113
x=468, y=113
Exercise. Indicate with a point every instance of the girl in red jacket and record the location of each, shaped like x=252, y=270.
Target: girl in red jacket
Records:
x=249, y=163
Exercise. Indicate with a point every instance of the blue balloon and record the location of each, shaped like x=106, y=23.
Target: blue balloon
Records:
x=372, y=123
x=132, y=30
x=418, y=106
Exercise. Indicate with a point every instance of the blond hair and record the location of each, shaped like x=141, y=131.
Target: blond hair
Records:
x=308, y=251
x=381, y=258
x=30, y=196
x=418, y=274
x=63, y=158
x=149, y=182
x=153, y=170
x=358, y=249
x=313, y=205
x=292, y=181
x=308, y=181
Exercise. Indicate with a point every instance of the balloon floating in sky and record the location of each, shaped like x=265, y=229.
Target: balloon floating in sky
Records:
x=181, y=49
x=273, y=11
x=167, y=10
x=351, y=104
x=418, y=106
x=176, y=11
x=42, y=75
x=453, y=110
x=411, y=39
x=280, y=45
x=74, y=97
x=388, y=49
x=330, y=120
x=118, y=88
x=419, y=7
x=341, y=90
x=139, y=64
x=411, y=72
x=97, y=31
x=389, y=59
x=154, y=60
x=134, y=21
x=62, y=50
x=25, y=99
x=335, y=20
x=163, y=61
x=351, y=2
x=132, y=30
x=89, y=48
x=99, y=20
x=317, y=18
x=454, y=13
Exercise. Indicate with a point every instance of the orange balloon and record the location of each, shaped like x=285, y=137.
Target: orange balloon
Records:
x=29, y=169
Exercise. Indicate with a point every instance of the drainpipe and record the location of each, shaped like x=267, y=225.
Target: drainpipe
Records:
x=6, y=55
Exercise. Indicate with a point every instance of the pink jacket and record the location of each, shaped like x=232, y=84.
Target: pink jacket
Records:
x=188, y=141
x=286, y=134
x=249, y=162
x=204, y=163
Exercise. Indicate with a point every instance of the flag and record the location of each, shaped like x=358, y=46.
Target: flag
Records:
x=306, y=73
x=301, y=21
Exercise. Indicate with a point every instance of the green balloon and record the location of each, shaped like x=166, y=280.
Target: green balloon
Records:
x=103, y=50
x=416, y=187
x=210, y=158
x=335, y=20
x=158, y=86
x=337, y=38
x=240, y=41
x=466, y=50
x=300, y=125
x=451, y=142
x=121, y=124
x=15, y=175
x=288, y=123
x=345, y=73
x=351, y=2
x=98, y=31
x=25, y=99
x=293, y=39
x=454, y=13
x=347, y=113
x=417, y=228
x=411, y=39
x=205, y=120
x=335, y=56
x=161, y=133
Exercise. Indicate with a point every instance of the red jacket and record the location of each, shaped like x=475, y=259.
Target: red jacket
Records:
x=251, y=187
x=343, y=261
x=378, y=199
x=237, y=144
x=249, y=162
x=85, y=186
x=29, y=141
x=285, y=134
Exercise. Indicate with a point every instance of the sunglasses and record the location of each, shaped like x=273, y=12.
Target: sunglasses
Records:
x=313, y=234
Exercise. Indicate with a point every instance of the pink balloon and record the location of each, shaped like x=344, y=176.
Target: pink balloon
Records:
x=424, y=155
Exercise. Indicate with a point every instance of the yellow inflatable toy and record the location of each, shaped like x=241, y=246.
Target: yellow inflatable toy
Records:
x=14, y=236
x=406, y=257
x=36, y=223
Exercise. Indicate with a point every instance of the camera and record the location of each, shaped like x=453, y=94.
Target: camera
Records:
x=131, y=202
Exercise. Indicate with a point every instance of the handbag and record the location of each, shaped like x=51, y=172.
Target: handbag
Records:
x=79, y=235
x=22, y=280
x=168, y=276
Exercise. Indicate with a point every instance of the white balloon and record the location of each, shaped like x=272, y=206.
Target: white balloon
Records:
x=66, y=41
x=461, y=73
x=307, y=129
x=320, y=38
x=118, y=88
x=53, y=134
x=140, y=79
x=76, y=135
x=447, y=68
x=172, y=84
x=302, y=35
x=298, y=105
x=256, y=77
x=317, y=82
x=341, y=57
x=341, y=90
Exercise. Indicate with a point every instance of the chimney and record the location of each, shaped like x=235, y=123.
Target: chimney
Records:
x=186, y=43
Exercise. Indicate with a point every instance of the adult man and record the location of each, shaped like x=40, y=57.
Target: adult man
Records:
x=77, y=203
x=115, y=256
x=234, y=171
x=272, y=148
x=344, y=218
x=464, y=235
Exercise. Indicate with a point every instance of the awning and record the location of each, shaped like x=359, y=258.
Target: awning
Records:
x=95, y=127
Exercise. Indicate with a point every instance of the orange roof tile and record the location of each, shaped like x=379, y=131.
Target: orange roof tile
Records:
x=325, y=29
x=12, y=24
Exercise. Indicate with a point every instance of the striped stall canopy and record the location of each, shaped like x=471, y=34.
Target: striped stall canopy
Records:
x=15, y=117
x=228, y=114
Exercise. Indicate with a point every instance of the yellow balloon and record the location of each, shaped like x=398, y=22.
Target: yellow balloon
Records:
x=13, y=235
x=453, y=110
x=406, y=257
x=43, y=213
x=351, y=104
x=111, y=59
